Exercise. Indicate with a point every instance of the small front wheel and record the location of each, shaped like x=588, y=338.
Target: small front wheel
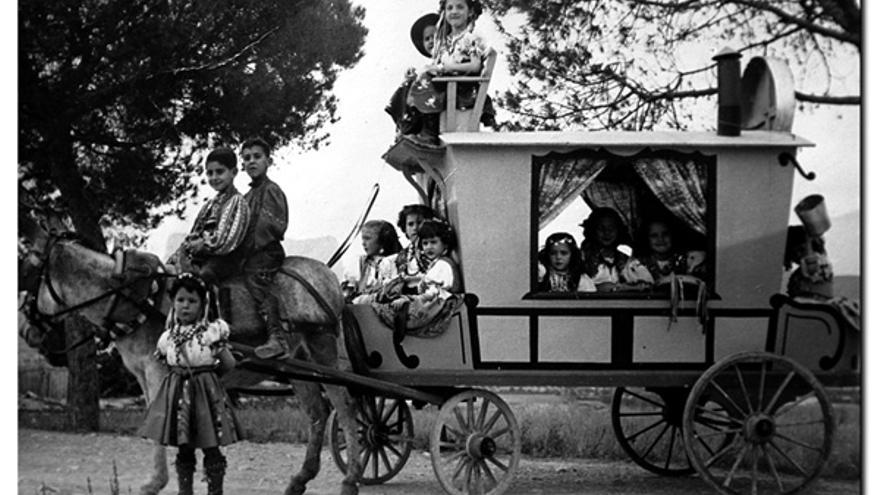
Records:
x=385, y=428
x=475, y=444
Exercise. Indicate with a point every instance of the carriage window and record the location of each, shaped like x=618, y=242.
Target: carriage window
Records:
x=606, y=225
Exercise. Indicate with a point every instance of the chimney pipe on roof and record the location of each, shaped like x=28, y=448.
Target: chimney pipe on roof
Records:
x=729, y=112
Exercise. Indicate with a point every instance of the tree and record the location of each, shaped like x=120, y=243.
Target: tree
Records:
x=118, y=98
x=625, y=64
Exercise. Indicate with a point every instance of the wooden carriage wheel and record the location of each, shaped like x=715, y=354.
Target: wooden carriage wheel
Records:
x=648, y=426
x=385, y=427
x=780, y=418
x=475, y=444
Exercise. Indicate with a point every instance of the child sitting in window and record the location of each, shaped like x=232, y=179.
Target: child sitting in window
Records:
x=658, y=253
x=604, y=232
x=439, y=282
x=458, y=51
x=564, y=269
x=377, y=264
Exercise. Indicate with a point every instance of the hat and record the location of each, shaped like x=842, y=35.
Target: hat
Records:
x=418, y=29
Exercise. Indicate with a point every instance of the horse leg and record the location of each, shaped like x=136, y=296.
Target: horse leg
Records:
x=137, y=356
x=318, y=410
x=154, y=372
x=346, y=412
x=322, y=348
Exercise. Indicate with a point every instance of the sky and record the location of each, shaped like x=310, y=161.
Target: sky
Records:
x=328, y=189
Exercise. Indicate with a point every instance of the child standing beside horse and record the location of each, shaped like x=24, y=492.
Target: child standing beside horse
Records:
x=191, y=409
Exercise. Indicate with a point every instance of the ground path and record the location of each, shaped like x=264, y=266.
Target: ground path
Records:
x=63, y=462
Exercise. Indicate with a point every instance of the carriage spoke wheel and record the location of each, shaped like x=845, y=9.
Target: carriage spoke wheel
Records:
x=647, y=424
x=780, y=418
x=385, y=429
x=475, y=444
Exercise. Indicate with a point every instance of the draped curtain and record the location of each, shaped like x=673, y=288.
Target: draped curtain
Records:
x=561, y=181
x=680, y=186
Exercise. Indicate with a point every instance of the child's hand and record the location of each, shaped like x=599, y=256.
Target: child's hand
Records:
x=195, y=246
x=410, y=74
x=399, y=303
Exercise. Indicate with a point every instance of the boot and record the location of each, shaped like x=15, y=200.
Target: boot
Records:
x=276, y=345
x=185, y=467
x=215, y=470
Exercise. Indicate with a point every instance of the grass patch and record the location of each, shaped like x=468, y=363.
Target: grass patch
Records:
x=569, y=429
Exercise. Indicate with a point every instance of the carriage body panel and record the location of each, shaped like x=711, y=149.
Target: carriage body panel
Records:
x=488, y=187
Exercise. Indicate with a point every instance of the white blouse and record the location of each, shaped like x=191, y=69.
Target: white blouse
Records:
x=199, y=350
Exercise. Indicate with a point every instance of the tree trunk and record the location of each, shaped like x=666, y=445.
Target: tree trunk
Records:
x=82, y=383
x=73, y=189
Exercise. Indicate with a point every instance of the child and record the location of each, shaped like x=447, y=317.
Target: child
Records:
x=191, y=409
x=439, y=282
x=564, y=266
x=813, y=277
x=410, y=263
x=404, y=116
x=458, y=51
x=377, y=264
x=658, y=254
x=221, y=224
x=263, y=253
x=604, y=231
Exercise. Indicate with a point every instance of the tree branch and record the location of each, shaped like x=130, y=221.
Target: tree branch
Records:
x=827, y=99
x=797, y=21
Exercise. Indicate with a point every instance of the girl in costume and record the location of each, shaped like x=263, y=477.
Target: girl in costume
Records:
x=458, y=50
x=191, y=409
x=440, y=281
x=377, y=264
x=564, y=268
x=604, y=232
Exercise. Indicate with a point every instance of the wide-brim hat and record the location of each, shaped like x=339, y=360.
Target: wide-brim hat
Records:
x=418, y=29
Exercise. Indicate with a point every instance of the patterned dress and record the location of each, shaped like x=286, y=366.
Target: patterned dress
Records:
x=465, y=47
x=191, y=407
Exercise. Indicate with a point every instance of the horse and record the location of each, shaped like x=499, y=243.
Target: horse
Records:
x=74, y=278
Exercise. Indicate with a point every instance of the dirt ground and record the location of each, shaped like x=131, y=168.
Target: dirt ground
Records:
x=64, y=464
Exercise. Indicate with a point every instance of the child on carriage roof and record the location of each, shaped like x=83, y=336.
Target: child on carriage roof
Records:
x=457, y=50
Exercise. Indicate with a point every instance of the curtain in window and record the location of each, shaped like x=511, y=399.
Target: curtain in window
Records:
x=680, y=186
x=560, y=182
x=620, y=197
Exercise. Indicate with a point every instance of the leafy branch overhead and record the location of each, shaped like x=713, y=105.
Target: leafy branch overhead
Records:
x=637, y=64
x=118, y=98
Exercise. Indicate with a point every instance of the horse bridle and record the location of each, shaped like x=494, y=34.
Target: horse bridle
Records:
x=49, y=322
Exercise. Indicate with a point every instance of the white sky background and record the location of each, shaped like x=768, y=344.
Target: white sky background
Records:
x=328, y=189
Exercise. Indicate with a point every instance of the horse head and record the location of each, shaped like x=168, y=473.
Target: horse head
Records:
x=63, y=276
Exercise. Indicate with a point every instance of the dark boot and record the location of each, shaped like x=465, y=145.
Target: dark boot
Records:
x=185, y=464
x=215, y=470
x=276, y=346
x=400, y=323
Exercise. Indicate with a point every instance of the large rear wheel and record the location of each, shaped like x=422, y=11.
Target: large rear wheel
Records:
x=778, y=415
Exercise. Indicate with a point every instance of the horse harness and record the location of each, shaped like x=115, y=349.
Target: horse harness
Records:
x=129, y=276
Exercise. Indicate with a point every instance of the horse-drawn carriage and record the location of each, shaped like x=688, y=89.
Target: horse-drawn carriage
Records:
x=729, y=385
